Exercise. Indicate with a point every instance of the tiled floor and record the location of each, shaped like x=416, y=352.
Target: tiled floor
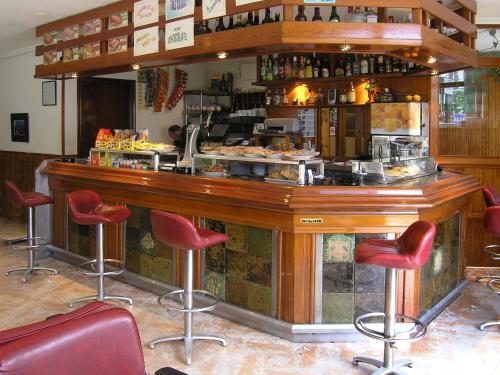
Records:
x=452, y=346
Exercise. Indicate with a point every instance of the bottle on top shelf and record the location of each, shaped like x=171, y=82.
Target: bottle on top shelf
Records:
x=249, y=19
x=309, y=69
x=339, y=69
x=295, y=68
x=230, y=25
x=220, y=25
x=317, y=68
x=281, y=68
x=302, y=68
x=334, y=16
x=239, y=22
x=325, y=68
x=256, y=18
x=317, y=15
x=288, y=68
x=277, y=17
x=351, y=94
x=301, y=15
x=206, y=28
x=267, y=17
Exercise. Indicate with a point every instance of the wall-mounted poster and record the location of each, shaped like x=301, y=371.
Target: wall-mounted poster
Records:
x=243, y=2
x=19, y=127
x=146, y=41
x=145, y=12
x=178, y=8
x=214, y=9
x=179, y=34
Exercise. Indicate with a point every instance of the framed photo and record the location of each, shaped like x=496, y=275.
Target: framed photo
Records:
x=19, y=127
x=49, y=93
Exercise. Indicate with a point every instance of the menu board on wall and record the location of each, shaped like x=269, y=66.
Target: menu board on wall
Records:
x=178, y=8
x=179, y=34
x=145, y=12
x=214, y=8
x=146, y=41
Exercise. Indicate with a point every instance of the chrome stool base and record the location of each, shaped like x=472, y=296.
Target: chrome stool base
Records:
x=105, y=298
x=396, y=365
x=489, y=324
x=29, y=270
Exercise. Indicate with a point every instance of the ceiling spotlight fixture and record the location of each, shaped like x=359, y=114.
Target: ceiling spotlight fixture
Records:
x=136, y=66
x=222, y=55
x=431, y=60
x=74, y=75
x=434, y=72
x=345, y=47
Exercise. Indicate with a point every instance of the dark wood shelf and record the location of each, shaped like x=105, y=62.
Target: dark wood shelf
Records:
x=300, y=81
x=317, y=106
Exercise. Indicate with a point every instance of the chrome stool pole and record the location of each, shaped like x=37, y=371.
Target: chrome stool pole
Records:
x=32, y=246
x=100, y=272
x=188, y=310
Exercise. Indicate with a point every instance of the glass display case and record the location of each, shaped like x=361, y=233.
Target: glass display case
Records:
x=147, y=159
x=392, y=171
x=257, y=168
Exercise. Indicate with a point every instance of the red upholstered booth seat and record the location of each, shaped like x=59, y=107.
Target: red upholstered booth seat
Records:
x=491, y=196
x=26, y=199
x=95, y=339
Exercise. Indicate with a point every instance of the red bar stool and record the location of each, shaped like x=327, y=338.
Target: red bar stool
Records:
x=408, y=252
x=491, y=225
x=30, y=200
x=180, y=233
x=86, y=208
x=491, y=198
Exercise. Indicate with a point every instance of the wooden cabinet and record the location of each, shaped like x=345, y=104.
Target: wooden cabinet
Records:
x=344, y=131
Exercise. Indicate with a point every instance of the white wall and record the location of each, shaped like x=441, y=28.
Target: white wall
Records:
x=21, y=93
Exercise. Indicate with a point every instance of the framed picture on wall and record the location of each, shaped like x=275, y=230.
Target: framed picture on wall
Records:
x=19, y=127
x=49, y=93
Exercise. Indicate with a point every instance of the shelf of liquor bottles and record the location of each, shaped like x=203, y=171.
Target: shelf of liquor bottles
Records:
x=299, y=81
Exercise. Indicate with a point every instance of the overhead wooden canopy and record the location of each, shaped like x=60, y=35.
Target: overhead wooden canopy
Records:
x=410, y=41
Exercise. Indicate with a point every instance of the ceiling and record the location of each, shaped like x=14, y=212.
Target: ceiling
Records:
x=18, y=18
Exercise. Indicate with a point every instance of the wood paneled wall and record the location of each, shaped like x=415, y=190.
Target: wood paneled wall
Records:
x=18, y=167
x=474, y=148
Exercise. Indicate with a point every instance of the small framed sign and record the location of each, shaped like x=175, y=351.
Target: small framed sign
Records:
x=19, y=127
x=179, y=34
x=145, y=12
x=49, y=93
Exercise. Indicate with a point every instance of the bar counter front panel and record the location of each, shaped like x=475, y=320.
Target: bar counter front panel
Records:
x=288, y=267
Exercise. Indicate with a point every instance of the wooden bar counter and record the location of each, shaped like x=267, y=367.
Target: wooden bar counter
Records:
x=288, y=266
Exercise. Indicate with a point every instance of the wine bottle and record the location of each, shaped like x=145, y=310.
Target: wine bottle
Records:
x=277, y=17
x=309, y=69
x=356, y=68
x=302, y=68
x=325, y=68
x=300, y=15
x=269, y=71
x=317, y=68
x=276, y=68
x=288, y=68
x=351, y=95
x=339, y=69
x=317, y=15
x=263, y=69
x=334, y=17
x=364, y=66
x=267, y=17
x=239, y=23
x=256, y=18
x=249, y=19
x=220, y=25
x=295, y=68
x=281, y=69
x=230, y=25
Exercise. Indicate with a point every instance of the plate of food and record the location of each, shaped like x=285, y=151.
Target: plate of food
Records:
x=301, y=155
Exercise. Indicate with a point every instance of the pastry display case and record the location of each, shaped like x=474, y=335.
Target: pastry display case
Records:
x=134, y=159
x=277, y=170
x=393, y=171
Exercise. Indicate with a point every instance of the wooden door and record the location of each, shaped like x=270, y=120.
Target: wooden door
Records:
x=353, y=132
x=103, y=103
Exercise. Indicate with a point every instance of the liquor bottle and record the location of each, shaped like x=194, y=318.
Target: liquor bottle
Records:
x=267, y=17
x=230, y=25
x=404, y=67
x=348, y=67
x=302, y=68
x=277, y=17
x=300, y=15
x=206, y=28
x=411, y=66
x=396, y=65
x=198, y=28
x=276, y=97
x=256, y=18
x=281, y=68
x=284, y=97
x=380, y=64
x=239, y=23
x=356, y=68
x=276, y=68
x=309, y=69
x=317, y=68
x=295, y=67
x=269, y=97
x=263, y=69
x=371, y=64
x=339, y=69
x=325, y=68
x=223, y=84
x=249, y=19
x=388, y=64
x=317, y=16
x=351, y=95
x=269, y=70
x=334, y=17
x=363, y=66
x=220, y=25
x=319, y=97
x=288, y=68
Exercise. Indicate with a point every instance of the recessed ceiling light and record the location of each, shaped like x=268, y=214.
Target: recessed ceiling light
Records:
x=222, y=55
x=431, y=60
x=74, y=75
x=345, y=47
x=136, y=66
x=434, y=72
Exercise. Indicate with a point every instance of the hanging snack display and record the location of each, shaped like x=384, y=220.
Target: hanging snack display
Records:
x=141, y=81
x=162, y=74
x=151, y=88
x=178, y=91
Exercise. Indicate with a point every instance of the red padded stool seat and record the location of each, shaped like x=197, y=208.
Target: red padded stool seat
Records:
x=30, y=200
x=180, y=233
x=410, y=251
x=491, y=197
x=86, y=208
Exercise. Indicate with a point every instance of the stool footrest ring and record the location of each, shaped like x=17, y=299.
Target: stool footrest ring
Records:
x=43, y=242
x=416, y=332
x=80, y=268
x=494, y=255
x=494, y=285
x=163, y=301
